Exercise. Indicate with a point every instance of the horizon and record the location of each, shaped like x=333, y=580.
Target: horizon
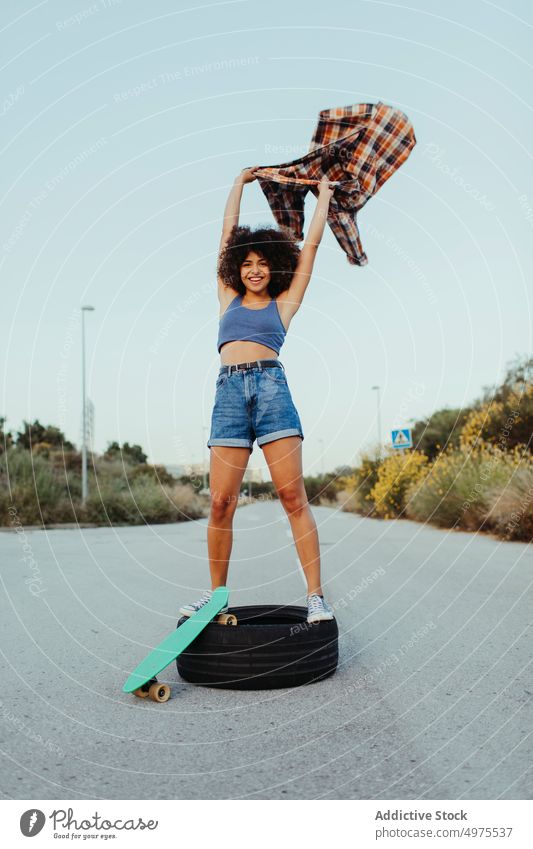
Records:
x=250, y=469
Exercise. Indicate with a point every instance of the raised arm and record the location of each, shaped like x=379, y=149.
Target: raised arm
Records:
x=233, y=208
x=293, y=296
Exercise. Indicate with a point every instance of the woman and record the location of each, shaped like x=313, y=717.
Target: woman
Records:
x=262, y=279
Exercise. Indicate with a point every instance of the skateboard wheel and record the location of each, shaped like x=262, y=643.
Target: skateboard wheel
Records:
x=227, y=619
x=140, y=693
x=144, y=691
x=159, y=692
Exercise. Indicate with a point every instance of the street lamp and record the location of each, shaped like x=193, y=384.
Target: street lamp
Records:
x=379, y=419
x=84, y=488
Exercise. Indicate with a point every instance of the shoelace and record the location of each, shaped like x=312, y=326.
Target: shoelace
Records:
x=315, y=602
x=205, y=598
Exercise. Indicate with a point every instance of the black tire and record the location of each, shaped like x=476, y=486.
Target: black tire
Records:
x=270, y=647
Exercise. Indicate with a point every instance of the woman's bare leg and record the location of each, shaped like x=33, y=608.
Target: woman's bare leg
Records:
x=226, y=471
x=284, y=458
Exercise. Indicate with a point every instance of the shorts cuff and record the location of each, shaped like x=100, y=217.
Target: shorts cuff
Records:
x=279, y=434
x=231, y=443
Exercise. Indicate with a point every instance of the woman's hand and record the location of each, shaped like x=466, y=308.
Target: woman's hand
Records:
x=247, y=175
x=325, y=187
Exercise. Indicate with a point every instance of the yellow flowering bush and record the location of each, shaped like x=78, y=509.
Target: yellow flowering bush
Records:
x=478, y=423
x=502, y=423
x=397, y=473
x=355, y=488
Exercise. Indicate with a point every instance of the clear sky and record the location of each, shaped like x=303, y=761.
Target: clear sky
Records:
x=123, y=126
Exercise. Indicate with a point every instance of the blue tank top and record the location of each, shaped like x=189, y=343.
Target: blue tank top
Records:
x=245, y=324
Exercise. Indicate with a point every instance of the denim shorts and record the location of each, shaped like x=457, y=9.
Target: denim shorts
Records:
x=253, y=403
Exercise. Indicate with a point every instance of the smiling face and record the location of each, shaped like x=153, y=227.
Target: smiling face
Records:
x=255, y=273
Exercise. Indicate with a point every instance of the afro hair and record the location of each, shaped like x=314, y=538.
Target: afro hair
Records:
x=277, y=246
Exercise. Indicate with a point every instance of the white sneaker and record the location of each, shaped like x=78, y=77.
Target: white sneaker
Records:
x=318, y=610
x=189, y=609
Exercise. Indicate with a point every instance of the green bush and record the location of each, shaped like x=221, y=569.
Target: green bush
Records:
x=44, y=487
x=456, y=490
x=264, y=489
x=510, y=509
x=145, y=501
x=102, y=468
x=66, y=460
x=187, y=503
x=321, y=489
x=440, y=431
x=28, y=483
x=108, y=503
x=157, y=473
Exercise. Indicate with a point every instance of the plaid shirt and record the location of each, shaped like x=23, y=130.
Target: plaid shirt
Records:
x=358, y=147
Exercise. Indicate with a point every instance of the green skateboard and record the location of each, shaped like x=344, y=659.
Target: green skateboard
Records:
x=142, y=682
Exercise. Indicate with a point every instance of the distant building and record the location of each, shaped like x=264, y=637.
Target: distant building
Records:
x=191, y=470
x=196, y=470
x=176, y=471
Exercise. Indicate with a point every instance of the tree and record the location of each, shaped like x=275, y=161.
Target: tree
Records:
x=129, y=453
x=440, y=430
x=6, y=439
x=157, y=473
x=343, y=471
x=35, y=433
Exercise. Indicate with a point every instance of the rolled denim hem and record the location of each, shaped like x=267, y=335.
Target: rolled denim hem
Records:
x=279, y=434
x=230, y=442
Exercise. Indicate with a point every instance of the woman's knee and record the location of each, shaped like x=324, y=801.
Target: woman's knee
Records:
x=293, y=498
x=223, y=505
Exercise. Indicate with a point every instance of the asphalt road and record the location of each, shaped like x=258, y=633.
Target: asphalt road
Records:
x=432, y=698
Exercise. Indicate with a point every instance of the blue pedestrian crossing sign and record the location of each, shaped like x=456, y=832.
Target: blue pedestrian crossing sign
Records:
x=402, y=438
